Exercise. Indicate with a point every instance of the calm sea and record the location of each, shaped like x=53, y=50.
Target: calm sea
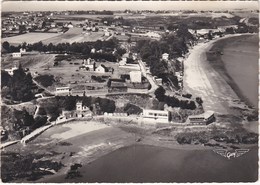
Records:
x=143, y=163
x=240, y=56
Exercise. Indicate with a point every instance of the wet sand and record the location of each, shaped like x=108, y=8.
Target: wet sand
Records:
x=240, y=65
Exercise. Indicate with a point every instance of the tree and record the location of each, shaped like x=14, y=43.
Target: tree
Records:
x=160, y=93
x=6, y=46
x=199, y=100
x=5, y=78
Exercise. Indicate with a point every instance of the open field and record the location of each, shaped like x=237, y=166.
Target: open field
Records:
x=72, y=35
x=75, y=35
x=32, y=60
x=68, y=72
x=30, y=38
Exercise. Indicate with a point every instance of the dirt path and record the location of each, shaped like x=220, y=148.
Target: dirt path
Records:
x=202, y=80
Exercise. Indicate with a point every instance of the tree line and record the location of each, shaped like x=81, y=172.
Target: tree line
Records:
x=175, y=102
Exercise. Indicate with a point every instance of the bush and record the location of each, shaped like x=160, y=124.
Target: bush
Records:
x=132, y=109
x=45, y=80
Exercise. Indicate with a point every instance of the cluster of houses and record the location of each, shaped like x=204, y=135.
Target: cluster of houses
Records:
x=32, y=21
x=90, y=65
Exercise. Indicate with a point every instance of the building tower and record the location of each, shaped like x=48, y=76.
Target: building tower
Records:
x=79, y=106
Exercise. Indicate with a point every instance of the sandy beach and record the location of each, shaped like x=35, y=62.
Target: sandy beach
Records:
x=201, y=79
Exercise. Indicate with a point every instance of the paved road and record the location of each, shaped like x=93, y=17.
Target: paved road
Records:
x=149, y=77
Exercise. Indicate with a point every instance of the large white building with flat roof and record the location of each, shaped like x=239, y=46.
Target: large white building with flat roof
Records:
x=135, y=76
x=63, y=90
x=202, y=119
x=156, y=115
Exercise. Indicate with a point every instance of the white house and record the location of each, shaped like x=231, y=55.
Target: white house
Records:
x=101, y=69
x=135, y=76
x=11, y=70
x=22, y=50
x=17, y=55
x=165, y=56
x=107, y=33
x=93, y=50
x=63, y=90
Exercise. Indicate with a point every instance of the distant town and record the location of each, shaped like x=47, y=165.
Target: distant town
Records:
x=123, y=69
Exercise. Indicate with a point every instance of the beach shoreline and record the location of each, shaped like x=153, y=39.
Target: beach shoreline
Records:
x=201, y=79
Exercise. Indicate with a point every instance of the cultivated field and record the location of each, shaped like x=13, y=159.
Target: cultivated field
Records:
x=72, y=35
x=75, y=35
x=30, y=38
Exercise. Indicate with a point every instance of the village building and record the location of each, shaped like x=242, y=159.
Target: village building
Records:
x=158, y=80
x=101, y=69
x=89, y=64
x=122, y=62
x=117, y=85
x=165, y=56
x=93, y=50
x=63, y=90
x=22, y=50
x=11, y=70
x=158, y=115
x=81, y=111
x=135, y=76
x=107, y=33
x=16, y=55
x=202, y=119
x=53, y=25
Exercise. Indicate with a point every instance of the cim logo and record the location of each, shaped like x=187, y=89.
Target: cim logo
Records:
x=231, y=154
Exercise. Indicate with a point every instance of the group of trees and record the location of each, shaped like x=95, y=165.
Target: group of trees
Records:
x=173, y=101
x=17, y=87
x=25, y=121
x=83, y=48
x=173, y=44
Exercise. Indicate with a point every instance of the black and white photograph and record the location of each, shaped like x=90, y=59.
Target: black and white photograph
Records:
x=129, y=91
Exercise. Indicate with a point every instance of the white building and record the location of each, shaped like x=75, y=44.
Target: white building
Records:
x=107, y=33
x=22, y=50
x=122, y=63
x=70, y=26
x=17, y=55
x=89, y=64
x=135, y=76
x=202, y=119
x=93, y=50
x=101, y=69
x=11, y=70
x=165, y=56
x=63, y=90
x=81, y=107
x=158, y=115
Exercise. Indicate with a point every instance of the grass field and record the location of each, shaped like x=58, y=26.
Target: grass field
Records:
x=30, y=38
